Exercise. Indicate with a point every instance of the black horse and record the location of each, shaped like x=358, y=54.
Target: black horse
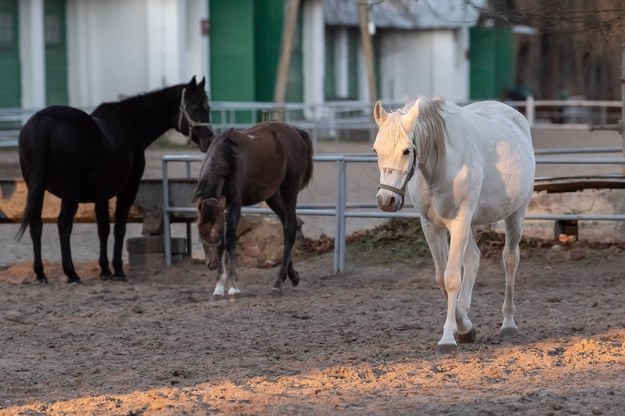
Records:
x=82, y=157
x=269, y=162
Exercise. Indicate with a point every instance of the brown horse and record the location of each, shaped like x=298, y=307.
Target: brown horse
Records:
x=269, y=162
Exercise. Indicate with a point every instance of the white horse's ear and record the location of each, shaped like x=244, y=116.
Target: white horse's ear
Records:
x=408, y=119
x=379, y=114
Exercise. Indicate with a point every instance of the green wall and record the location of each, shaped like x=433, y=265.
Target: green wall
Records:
x=10, y=84
x=492, y=62
x=245, y=38
x=56, y=52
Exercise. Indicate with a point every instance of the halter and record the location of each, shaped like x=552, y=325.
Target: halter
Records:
x=402, y=191
x=190, y=122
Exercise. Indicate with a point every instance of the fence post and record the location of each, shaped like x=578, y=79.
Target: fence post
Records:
x=166, y=224
x=341, y=198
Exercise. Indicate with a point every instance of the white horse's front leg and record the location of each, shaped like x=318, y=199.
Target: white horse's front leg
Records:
x=471, y=264
x=459, y=232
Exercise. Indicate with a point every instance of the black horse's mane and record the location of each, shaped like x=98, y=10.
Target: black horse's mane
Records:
x=222, y=166
x=142, y=99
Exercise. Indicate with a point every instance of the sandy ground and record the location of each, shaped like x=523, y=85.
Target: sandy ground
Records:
x=358, y=343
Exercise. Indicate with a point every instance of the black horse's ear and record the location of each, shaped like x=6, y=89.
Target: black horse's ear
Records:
x=193, y=83
x=202, y=83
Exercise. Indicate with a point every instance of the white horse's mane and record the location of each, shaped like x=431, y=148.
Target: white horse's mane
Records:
x=429, y=130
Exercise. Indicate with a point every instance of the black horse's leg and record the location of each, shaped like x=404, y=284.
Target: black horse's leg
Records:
x=232, y=220
x=65, y=223
x=124, y=201
x=104, y=229
x=36, y=227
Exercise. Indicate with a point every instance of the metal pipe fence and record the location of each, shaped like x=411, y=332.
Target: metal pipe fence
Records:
x=343, y=210
x=329, y=119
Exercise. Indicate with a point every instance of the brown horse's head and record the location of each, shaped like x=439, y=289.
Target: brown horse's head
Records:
x=211, y=227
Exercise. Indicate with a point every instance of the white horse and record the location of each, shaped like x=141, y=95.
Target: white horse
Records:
x=462, y=166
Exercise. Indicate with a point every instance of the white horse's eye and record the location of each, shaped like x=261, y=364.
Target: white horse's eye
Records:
x=406, y=152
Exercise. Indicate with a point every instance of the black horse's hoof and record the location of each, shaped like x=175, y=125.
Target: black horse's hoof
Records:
x=119, y=278
x=73, y=279
x=42, y=280
x=467, y=338
x=105, y=274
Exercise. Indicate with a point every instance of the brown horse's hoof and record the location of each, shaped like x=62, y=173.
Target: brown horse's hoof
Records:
x=294, y=276
x=467, y=338
x=445, y=349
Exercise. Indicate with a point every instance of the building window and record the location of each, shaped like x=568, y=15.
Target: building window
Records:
x=6, y=29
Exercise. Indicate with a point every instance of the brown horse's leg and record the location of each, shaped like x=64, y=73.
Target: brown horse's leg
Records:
x=288, y=219
x=232, y=220
x=104, y=229
x=65, y=223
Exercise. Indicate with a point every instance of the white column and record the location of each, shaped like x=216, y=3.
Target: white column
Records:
x=32, y=53
x=341, y=62
x=183, y=43
x=314, y=52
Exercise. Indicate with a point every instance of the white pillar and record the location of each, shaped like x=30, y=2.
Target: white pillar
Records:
x=341, y=62
x=314, y=52
x=32, y=52
x=183, y=44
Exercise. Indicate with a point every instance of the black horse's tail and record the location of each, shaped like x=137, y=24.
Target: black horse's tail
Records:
x=308, y=173
x=33, y=149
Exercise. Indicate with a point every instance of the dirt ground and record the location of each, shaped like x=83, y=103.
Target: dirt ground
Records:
x=360, y=343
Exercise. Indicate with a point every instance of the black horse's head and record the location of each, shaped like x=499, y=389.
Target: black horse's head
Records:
x=194, y=114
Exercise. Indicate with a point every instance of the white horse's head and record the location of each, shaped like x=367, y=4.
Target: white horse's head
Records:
x=396, y=151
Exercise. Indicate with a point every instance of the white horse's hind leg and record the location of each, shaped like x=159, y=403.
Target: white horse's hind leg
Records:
x=466, y=331
x=511, y=255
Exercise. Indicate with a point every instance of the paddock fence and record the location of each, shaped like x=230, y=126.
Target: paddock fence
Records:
x=348, y=119
x=342, y=209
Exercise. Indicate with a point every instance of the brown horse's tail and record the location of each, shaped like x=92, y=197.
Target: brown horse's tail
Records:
x=308, y=173
x=33, y=151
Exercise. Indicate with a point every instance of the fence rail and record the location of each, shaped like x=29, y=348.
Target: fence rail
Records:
x=342, y=210
x=334, y=119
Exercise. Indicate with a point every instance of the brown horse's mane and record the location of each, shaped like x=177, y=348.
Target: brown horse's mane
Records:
x=222, y=164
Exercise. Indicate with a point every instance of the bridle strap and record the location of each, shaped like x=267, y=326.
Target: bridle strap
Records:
x=402, y=191
x=190, y=122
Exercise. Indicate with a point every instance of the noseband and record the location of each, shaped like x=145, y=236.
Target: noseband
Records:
x=402, y=191
x=190, y=122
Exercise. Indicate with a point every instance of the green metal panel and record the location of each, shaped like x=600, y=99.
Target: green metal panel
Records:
x=56, y=52
x=330, y=78
x=268, y=22
x=353, y=42
x=492, y=62
x=232, y=50
x=10, y=84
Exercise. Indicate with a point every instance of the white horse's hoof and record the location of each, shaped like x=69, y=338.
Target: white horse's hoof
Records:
x=275, y=291
x=510, y=331
x=467, y=338
x=445, y=349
